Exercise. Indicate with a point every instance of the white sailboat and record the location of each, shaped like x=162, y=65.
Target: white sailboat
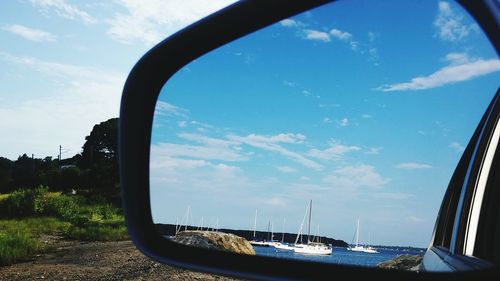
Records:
x=360, y=248
x=254, y=241
x=282, y=245
x=311, y=248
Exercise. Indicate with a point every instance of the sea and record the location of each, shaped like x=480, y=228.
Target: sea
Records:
x=342, y=255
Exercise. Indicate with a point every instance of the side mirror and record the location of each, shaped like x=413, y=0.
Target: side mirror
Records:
x=139, y=104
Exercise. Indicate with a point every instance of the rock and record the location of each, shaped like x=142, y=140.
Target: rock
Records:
x=216, y=241
x=402, y=262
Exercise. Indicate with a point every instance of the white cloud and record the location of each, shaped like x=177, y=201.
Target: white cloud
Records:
x=32, y=34
x=286, y=169
x=367, y=116
x=450, y=24
x=289, y=23
x=457, y=58
x=173, y=150
x=327, y=120
x=456, y=146
x=82, y=96
x=392, y=196
x=182, y=124
x=461, y=69
x=374, y=150
x=341, y=35
x=151, y=21
x=316, y=35
x=412, y=166
x=344, y=122
x=63, y=9
x=354, y=177
x=280, y=138
x=164, y=108
x=414, y=220
x=335, y=151
x=271, y=143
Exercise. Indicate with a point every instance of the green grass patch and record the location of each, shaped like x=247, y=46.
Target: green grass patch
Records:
x=26, y=215
x=98, y=232
x=19, y=238
x=16, y=246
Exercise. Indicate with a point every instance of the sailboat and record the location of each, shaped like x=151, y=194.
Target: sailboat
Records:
x=311, y=248
x=282, y=245
x=254, y=241
x=359, y=248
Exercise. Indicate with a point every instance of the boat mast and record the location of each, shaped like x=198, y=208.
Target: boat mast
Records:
x=272, y=231
x=283, y=235
x=309, y=226
x=357, y=234
x=187, y=218
x=254, y=224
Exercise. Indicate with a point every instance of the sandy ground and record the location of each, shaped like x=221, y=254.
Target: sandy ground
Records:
x=72, y=260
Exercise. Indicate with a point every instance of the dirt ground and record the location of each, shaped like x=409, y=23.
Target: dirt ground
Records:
x=72, y=260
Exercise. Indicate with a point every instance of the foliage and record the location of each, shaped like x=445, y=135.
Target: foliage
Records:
x=95, y=169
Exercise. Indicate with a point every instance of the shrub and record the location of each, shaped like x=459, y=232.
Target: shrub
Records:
x=63, y=207
x=24, y=203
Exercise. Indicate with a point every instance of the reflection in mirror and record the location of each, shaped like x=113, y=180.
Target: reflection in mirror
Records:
x=330, y=136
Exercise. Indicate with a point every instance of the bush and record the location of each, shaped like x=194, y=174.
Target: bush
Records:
x=24, y=203
x=63, y=207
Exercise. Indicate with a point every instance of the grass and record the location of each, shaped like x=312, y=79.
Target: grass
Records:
x=19, y=238
x=31, y=214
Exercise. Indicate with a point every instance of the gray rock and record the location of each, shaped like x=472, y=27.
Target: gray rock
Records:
x=216, y=241
x=403, y=262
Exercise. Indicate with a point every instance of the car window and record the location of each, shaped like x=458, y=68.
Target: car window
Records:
x=341, y=126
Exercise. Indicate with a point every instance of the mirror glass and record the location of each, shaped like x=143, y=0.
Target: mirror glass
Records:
x=330, y=136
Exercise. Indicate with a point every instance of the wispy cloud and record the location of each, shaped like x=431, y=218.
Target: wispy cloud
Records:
x=414, y=220
x=413, y=166
x=450, y=24
x=151, y=21
x=272, y=143
x=198, y=152
x=316, y=35
x=167, y=109
x=63, y=9
x=290, y=23
x=460, y=68
x=456, y=146
x=374, y=150
x=354, y=177
x=286, y=169
x=335, y=151
x=344, y=122
x=81, y=96
x=32, y=34
x=340, y=35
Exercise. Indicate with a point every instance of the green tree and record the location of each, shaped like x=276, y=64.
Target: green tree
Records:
x=5, y=175
x=99, y=160
x=101, y=145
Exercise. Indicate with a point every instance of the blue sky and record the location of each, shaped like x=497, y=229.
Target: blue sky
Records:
x=364, y=107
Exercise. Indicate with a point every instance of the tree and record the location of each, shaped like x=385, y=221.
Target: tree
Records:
x=101, y=145
x=5, y=175
x=99, y=160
